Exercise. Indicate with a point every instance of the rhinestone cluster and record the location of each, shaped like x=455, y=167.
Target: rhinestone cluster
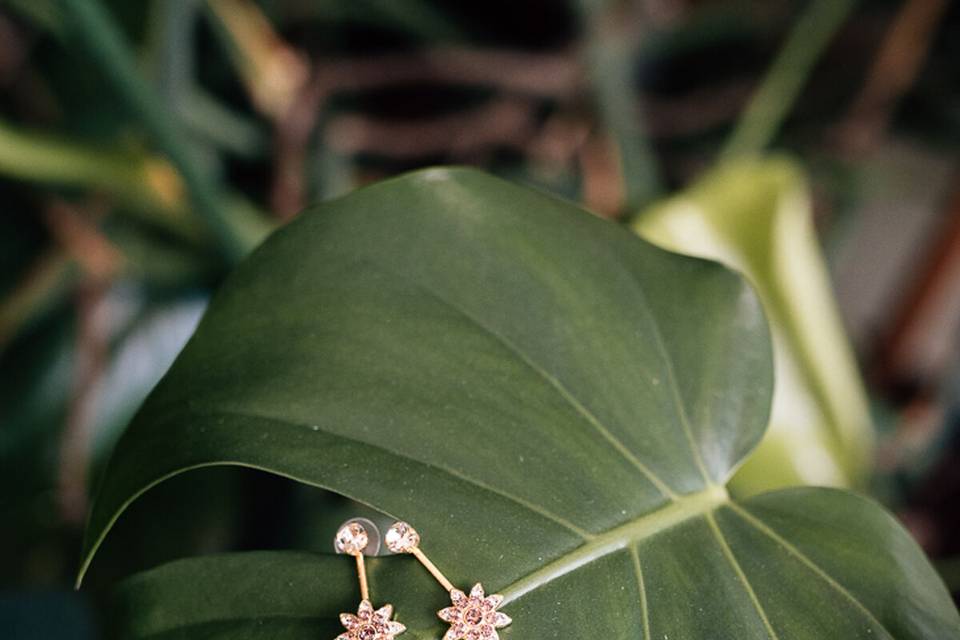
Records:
x=352, y=539
x=402, y=538
x=369, y=624
x=474, y=617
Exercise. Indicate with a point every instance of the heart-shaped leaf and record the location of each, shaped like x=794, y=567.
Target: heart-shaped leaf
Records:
x=554, y=403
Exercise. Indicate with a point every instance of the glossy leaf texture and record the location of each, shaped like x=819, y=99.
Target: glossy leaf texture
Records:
x=554, y=403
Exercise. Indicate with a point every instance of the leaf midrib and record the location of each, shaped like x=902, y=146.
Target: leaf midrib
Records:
x=621, y=537
x=568, y=397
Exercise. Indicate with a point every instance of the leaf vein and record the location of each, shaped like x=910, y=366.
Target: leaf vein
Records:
x=568, y=397
x=672, y=383
x=530, y=506
x=744, y=580
x=810, y=564
x=685, y=507
x=638, y=569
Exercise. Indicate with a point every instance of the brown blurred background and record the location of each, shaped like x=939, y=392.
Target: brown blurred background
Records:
x=145, y=147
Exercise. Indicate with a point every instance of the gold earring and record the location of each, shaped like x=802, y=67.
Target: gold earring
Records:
x=471, y=617
x=353, y=538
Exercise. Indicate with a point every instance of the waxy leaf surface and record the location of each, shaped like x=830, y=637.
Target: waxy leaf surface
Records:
x=555, y=404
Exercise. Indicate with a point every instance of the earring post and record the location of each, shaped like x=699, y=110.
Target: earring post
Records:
x=432, y=568
x=362, y=574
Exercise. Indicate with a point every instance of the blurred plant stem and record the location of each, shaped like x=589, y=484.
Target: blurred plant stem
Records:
x=770, y=105
x=84, y=254
x=171, y=58
x=150, y=186
x=95, y=30
x=92, y=354
x=271, y=70
x=895, y=68
x=49, y=280
x=611, y=45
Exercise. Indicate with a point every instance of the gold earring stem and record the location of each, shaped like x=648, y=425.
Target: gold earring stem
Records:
x=362, y=574
x=432, y=568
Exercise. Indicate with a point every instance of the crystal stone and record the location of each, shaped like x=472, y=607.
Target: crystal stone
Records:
x=352, y=538
x=402, y=538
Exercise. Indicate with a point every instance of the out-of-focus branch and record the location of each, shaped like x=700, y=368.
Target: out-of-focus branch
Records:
x=48, y=280
x=695, y=112
x=82, y=254
x=553, y=76
x=83, y=241
x=559, y=140
x=73, y=491
x=603, y=182
x=550, y=75
x=556, y=76
x=919, y=343
x=291, y=141
x=356, y=133
x=503, y=122
x=99, y=262
x=271, y=70
x=611, y=37
x=894, y=70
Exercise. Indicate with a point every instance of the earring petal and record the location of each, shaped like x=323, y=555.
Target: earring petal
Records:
x=493, y=601
x=365, y=611
x=384, y=613
x=453, y=634
x=449, y=614
x=501, y=620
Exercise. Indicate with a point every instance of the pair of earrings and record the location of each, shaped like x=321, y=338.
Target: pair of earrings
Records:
x=471, y=617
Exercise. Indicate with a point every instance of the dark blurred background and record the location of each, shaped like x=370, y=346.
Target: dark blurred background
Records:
x=145, y=147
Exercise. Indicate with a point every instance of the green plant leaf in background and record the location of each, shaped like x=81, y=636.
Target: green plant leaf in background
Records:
x=555, y=404
x=755, y=216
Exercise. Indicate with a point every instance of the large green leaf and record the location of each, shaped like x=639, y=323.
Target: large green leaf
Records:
x=789, y=558
x=554, y=403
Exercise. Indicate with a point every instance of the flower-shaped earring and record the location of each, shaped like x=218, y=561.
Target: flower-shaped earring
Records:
x=353, y=539
x=471, y=617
